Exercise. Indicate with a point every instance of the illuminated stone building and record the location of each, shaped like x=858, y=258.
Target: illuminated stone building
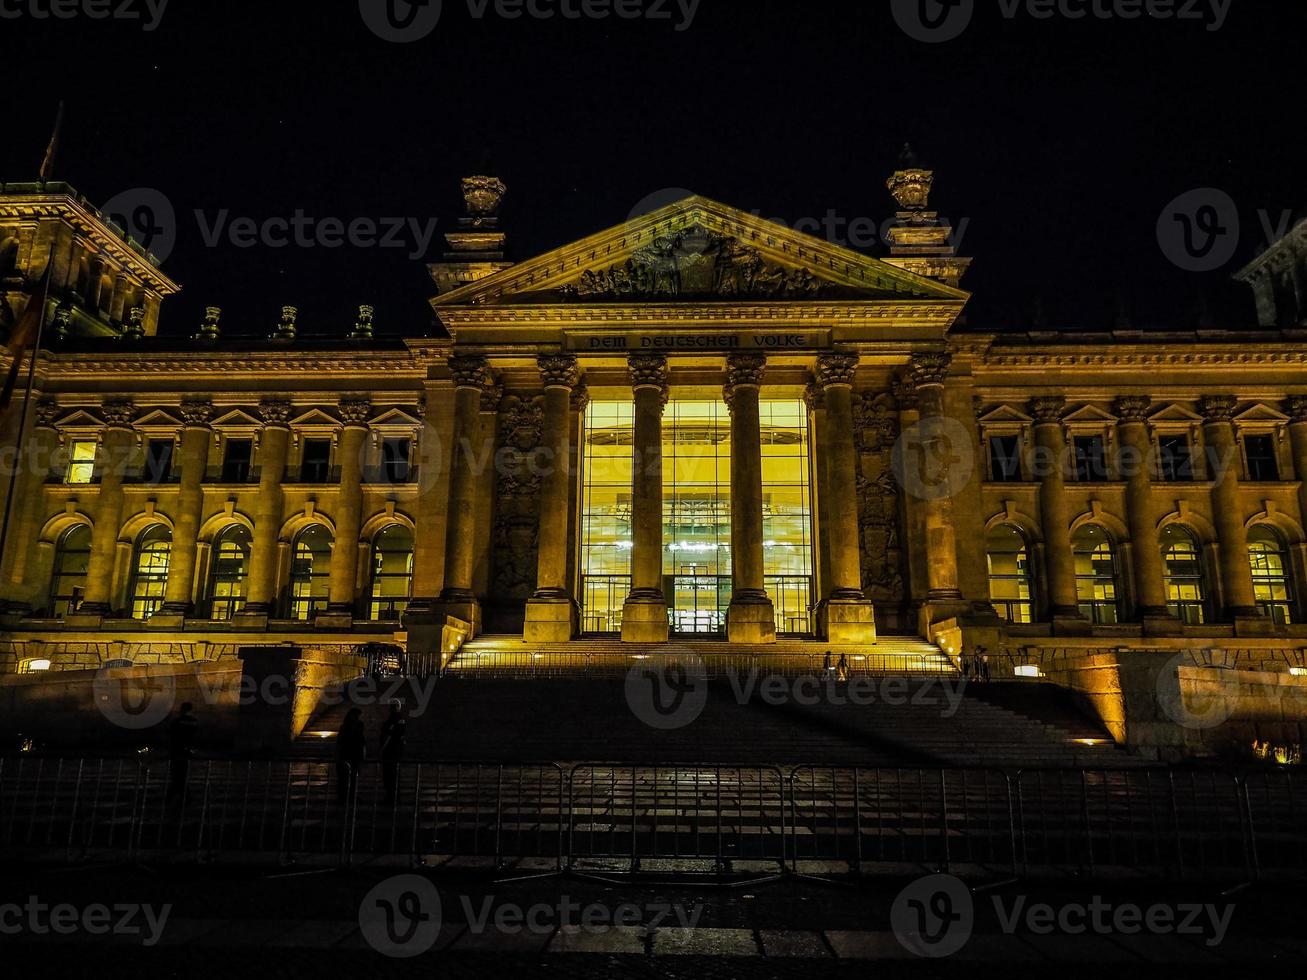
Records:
x=684, y=426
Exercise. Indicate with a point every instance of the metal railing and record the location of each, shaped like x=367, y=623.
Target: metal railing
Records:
x=524, y=664
x=807, y=819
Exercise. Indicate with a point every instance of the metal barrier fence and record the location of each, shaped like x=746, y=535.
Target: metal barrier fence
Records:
x=808, y=819
x=522, y=664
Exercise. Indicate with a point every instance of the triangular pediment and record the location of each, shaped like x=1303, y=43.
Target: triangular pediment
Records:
x=698, y=251
x=1262, y=413
x=1089, y=415
x=158, y=419
x=80, y=418
x=237, y=419
x=1176, y=414
x=397, y=418
x=1005, y=415
x=315, y=417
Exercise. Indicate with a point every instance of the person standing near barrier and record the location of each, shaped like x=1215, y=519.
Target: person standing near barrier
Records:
x=181, y=746
x=842, y=669
x=392, y=750
x=351, y=750
x=982, y=665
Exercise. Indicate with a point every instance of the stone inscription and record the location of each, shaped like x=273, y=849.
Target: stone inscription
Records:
x=703, y=342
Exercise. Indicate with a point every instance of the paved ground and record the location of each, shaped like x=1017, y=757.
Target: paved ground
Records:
x=239, y=921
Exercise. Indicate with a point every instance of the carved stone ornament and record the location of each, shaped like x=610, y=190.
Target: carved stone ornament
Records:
x=648, y=371
x=930, y=368
x=875, y=424
x=558, y=370
x=483, y=195
x=288, y=326
x=1132, y=408
x=521, y=422
x=911, y=188
x=745, y=369
x=355, y=411
x=197, y=412
x=814, y=397
x=694, y=262
x=580, y=397
x=363, y=326
x=1218, y=408
x=1047, y=409
x=211, y=329
x=134, y=328
x=905, y=394
x=491, y=396
x=1296, y=408
x=470, y=372
x=275, y=411
x=836, y=369
x=47, y=410
x=119, y=412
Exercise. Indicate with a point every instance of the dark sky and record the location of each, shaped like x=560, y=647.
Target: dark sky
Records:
x=1059, y=141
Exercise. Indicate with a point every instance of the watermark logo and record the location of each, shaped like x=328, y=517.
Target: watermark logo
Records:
x=933, y=458
x=1199, y=230
x=1199, y=707
x=148, y=13
x=401, y=21
x=146, y=215
x=136, y=699
x=933, y=21
x=401, y=917
x=934, y=916
x=128, y=919
x=667, y=690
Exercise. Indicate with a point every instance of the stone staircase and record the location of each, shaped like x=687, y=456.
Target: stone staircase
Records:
x=502, y=701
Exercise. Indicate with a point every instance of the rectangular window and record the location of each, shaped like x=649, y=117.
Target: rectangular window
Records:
x=1005, y=459
x=1091, y=459
x=394, y=460
x=315, y=465
x=158, y=460
x=1263, y=467
x=236, y=460
x=81, y=461
x=1175, y=459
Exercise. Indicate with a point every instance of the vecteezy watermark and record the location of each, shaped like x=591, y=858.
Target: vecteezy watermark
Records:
x=403, y=916
x=935, y=916
x=936, y=21
x=134, y=699
x=934, y=458
x=1192, y=699
x=667, y=689
x=406, y=21
x=148, y=12
x=129, y=919
x=1199, y=231
x=300, y=230
x=146, y=215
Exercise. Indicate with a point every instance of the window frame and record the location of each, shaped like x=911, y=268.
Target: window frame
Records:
x=1189, y=611
x=229, y=604
x=57, y=576
x=1287, y=605
x=377, y=576
x=312, y=604
x=155, y=577
x=1006, y=606
x=1100, y=612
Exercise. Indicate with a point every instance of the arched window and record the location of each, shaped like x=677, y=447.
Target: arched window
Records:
x=1096, y=578
x=1272, y=585
x=150, y=571
x=392, y=572
x=1009, y=574
x=1182, y=563
x=229, y=567
x=72, y=557
x=310, y=572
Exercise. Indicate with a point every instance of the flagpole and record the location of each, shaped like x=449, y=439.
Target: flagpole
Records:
x=21, y=442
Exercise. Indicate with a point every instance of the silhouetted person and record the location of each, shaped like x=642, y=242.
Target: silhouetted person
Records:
x=842, y=668
x=351, y=750
x=982, y=665
x=392, y=750
x=825, y=664
x=181, y=746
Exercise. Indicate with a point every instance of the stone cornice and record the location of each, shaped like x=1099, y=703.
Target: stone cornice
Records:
x=232, y=364
x=1041, y=359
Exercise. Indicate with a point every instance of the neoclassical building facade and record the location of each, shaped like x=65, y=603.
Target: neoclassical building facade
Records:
x=697, y=424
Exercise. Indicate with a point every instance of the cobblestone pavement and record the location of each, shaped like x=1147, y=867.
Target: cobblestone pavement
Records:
x=239, y=922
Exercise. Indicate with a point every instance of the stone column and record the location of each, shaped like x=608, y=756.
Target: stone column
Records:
x=751, y=617
x=819, y=448
x=487, y=489
x=25, y=587
x=471, y=378
x=644, y=614
x=1296, y=408
x=1055, y=510
x=193, y=461
x=935, y=436
x=551, y=612
x=274, y=449
x=847, y=616
x=1136, y=441
x=343, y=578
x=115, y=451
x=1232, y=537
x=576, y=426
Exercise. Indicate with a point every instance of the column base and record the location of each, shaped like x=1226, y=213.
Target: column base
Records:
x=941, y=605
x=847, y=620
x=751, y=619
x=461, y=604
x=550, y=620
x=1071, y=624
x=334, y=617
x=433, y=637
x=644, y=619
x=254, y=616
x=1250, y=622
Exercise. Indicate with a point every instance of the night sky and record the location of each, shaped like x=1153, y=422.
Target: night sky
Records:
x=1059, y=141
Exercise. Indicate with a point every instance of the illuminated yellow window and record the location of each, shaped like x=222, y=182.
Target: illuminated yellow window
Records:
x=81, y=462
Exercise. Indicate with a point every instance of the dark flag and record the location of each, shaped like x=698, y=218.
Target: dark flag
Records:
x=51, y=151
x=25, y=333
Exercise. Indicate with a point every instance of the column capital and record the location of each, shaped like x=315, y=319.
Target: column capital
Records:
x=905, y=394
x=836, y=369
x=1296, y=408
x=559, y=370
x=197, y=413
x=648, y=371
x=743, y=370
x=930, y=368
x=580, y=397
x=119, y=413
x=1132, y=408
x=491, y=396
x=355, y=412
x=814, y=397
x=1218, y=408
x=1047, y=409
x=470, y=371
x=47, y=410
x=275, y=413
